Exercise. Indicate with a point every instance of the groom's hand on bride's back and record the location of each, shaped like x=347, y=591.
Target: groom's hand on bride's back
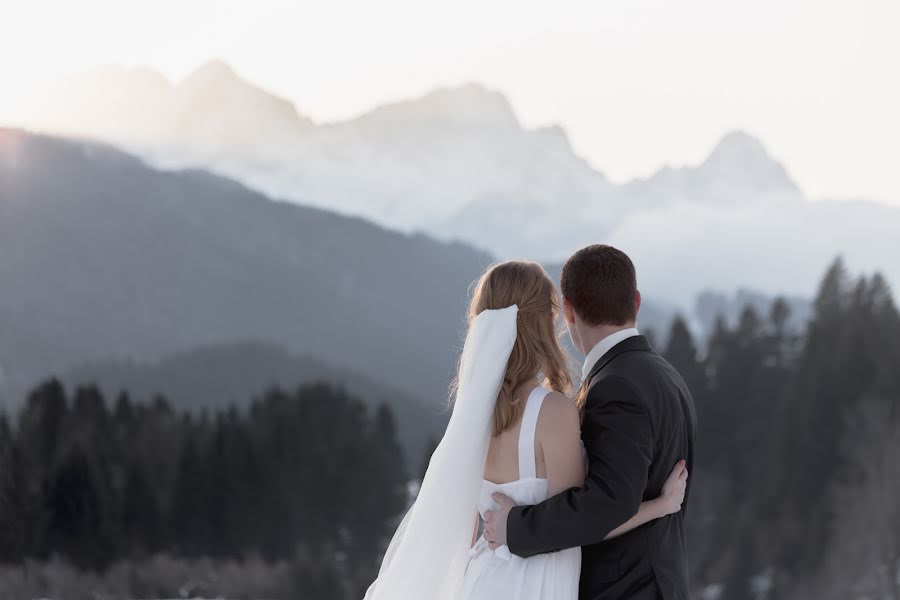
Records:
x=495, y=521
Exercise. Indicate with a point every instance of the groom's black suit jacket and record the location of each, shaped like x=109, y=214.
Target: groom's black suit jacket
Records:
x=638, y=421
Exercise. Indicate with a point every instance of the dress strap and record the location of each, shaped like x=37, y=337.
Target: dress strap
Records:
x=527, y=466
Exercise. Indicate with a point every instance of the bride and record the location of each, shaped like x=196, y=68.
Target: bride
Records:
x=509, y=432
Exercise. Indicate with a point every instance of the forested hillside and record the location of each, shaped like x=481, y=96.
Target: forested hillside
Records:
x=794, y=490
x=308, y=476
x=798, y=466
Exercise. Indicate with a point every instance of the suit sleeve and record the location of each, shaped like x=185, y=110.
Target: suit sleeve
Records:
x=618, y=439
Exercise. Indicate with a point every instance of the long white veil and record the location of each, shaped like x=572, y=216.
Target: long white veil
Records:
x=427, y=556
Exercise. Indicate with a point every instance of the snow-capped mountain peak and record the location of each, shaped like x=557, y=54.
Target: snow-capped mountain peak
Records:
x=214, y=93
x=739, y=171
x=468, y=105
x=739, y=144
x=742, y=158
x=212, y=71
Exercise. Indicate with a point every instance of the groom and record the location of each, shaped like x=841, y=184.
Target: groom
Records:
x=638, y=420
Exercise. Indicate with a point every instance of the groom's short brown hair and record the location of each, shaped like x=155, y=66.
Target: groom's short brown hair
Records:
x=600, y=283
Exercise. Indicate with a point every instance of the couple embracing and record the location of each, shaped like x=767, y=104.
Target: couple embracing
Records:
x=531, y=494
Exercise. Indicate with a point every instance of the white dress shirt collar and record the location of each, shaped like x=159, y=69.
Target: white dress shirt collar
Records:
x=604, y=346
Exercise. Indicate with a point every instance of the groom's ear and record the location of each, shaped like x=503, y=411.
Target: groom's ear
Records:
x=637, y=302
x=568, y=311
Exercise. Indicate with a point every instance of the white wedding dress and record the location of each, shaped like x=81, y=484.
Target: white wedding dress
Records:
x=430, y=556
x=496, y=574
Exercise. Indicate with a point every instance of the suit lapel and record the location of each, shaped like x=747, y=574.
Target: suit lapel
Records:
x=632, y=344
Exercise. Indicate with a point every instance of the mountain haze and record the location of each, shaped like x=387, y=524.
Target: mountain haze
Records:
x=457, y=164
x=104, y=257
x=216, y=376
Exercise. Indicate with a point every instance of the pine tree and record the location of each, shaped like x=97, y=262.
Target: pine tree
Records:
x=864, y=508
x=189, y=523
x=41, y=425
x=384, y=479
x=76, y=522
x=142, y=521
x=12, y=509
x=682, y=352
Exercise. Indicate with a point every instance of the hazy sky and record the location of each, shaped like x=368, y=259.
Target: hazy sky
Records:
x=636, y=83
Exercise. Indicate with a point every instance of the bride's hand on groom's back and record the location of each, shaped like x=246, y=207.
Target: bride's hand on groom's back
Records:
x=673, y=490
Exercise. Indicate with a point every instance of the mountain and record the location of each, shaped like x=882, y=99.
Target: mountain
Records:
x=213, y=95
x=457, y=164
x=102, y=256
x=141, y=109
x=738, y=171
x=218, y=375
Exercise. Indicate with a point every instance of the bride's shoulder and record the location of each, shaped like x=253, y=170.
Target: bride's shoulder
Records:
x=558, y=411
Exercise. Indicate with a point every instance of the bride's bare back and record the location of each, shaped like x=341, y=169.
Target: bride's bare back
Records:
x=557, y=446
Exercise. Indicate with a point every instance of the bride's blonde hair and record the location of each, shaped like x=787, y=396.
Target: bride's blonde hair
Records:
x=537, y=349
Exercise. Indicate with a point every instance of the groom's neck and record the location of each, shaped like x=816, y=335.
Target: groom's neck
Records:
x=593, y=335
